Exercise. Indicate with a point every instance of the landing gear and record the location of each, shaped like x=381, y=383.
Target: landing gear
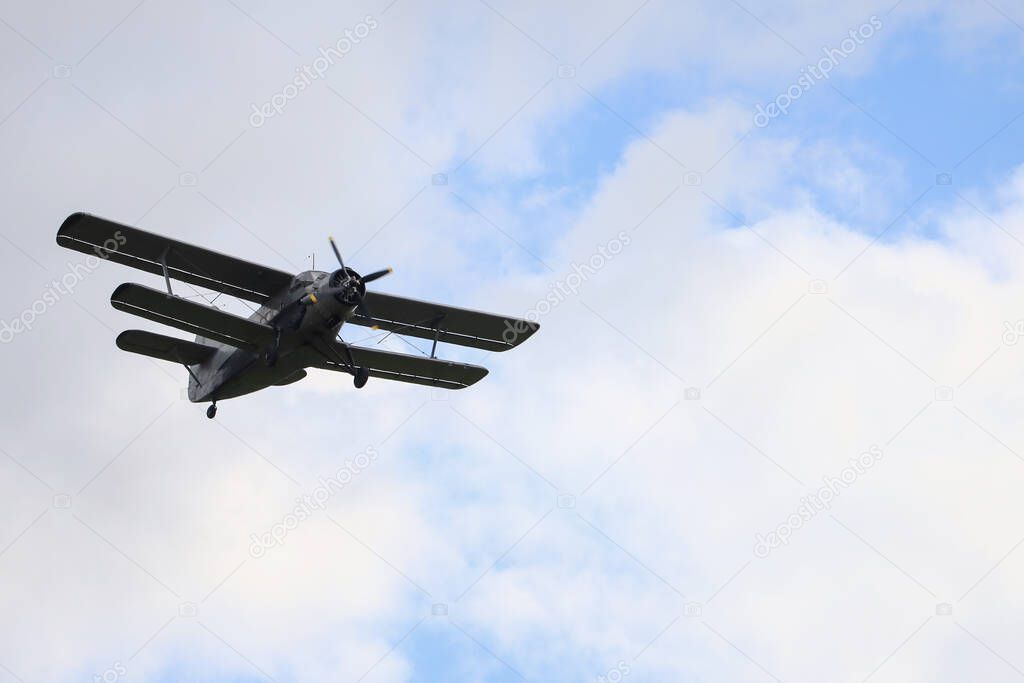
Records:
x=211, y=412
x=361, y=375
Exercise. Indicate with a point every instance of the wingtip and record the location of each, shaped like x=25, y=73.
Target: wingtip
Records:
x=472, y=374
x=69, y=223
x=522, y=330
x=117, y=294
x=121, y=339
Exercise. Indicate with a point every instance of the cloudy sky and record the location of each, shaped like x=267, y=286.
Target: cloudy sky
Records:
x=769, y=429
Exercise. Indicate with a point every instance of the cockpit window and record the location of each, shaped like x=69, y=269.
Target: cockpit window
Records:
x=303, y=280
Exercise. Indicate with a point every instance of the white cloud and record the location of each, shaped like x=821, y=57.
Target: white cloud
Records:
x=810, y=381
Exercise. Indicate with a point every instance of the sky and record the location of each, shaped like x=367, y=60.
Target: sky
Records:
x=766, y=432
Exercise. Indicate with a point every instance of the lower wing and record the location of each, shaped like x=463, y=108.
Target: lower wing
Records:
x=400, y=367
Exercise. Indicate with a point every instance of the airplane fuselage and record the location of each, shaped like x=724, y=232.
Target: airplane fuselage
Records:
x=304, y=313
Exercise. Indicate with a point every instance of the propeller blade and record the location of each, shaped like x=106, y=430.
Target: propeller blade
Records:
x=362, y=309
x=336, y=252
x=378, y=275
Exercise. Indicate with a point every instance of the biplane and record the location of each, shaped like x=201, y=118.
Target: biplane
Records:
x=295, y=327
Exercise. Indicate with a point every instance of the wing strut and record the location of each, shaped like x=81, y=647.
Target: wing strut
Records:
x=177, y=355
x=192, y=374
x=323, y=348
x=167, y=275
x=437, y=333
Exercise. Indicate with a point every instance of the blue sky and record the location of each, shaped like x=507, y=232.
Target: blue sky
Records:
x=921, y=107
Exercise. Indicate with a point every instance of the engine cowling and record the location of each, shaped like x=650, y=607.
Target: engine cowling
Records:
x=346, y=287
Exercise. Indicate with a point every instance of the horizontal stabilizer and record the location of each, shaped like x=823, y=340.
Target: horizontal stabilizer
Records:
x=190, y=316
x=164, y=348
x=400, y=367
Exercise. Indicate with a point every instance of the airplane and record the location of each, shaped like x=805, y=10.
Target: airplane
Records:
x=297, y=323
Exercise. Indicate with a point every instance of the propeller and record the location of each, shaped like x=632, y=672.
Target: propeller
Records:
x=337, y=253
x=378, y=275
x=348, y=286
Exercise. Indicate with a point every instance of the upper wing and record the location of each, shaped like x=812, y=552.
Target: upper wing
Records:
x=205, y=321
x=164, y=348
x=185, y=262
x=397, y=366
x=450, y=324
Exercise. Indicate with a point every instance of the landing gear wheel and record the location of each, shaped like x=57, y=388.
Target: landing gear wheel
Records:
x=211, y=412
x=362, y=377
